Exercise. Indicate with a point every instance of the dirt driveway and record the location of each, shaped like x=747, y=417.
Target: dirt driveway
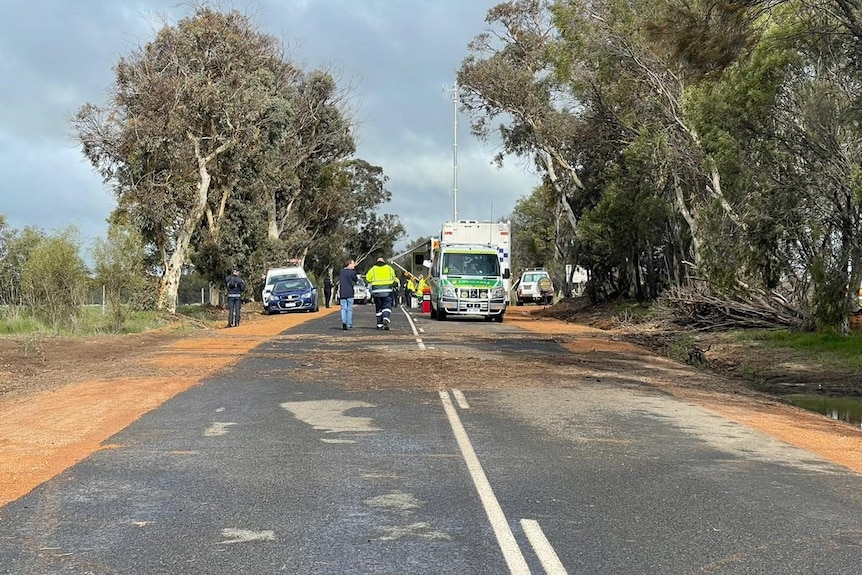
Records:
x=61, y=398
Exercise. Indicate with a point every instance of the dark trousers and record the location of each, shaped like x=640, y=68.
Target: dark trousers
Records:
x=234, y=305
x=327, y=295
x=383, y=309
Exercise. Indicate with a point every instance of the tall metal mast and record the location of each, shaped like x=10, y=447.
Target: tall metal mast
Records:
x=454, y=92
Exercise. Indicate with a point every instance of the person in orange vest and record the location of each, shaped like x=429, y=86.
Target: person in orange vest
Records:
x=384, y=283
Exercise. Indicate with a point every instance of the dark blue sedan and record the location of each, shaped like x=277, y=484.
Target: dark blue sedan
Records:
x=292, y=294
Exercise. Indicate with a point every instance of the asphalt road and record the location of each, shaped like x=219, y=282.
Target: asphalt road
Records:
x=280, y=465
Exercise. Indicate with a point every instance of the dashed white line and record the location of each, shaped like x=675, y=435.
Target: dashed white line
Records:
x=419, y=341
x=505, y=539
x=547, y=556
x=460, y=399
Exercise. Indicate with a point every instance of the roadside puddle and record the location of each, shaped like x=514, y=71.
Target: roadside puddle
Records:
x=847, y=409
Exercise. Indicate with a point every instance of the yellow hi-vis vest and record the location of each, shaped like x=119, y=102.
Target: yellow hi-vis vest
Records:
x=382, y=279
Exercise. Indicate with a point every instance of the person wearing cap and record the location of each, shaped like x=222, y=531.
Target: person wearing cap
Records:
x=384, y=283
x=235, y=286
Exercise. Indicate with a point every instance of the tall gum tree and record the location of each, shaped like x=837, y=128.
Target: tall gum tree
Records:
x=316, y=130
x=508, y=78
x=178, y=104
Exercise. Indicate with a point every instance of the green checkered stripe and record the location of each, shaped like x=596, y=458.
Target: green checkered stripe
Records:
x=472, y=283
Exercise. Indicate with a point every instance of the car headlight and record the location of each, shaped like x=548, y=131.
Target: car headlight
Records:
x=306, y=295
x=497, y=293
x=449, y=291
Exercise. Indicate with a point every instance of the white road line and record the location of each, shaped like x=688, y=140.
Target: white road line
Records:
x=460, y=399
x=542, y=547
x=419, y=341
x=505, y=539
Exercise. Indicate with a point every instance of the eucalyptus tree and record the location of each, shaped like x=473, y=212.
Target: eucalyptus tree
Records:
x=561, y=81
x=201, y=92
x=819, y=127
x=534, y=230
x=343, y=215
x=318, y=131
x=781, y=124
x=375, y=237
x=507, y=84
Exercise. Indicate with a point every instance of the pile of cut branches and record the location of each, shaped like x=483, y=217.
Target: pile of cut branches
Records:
x=699, y=307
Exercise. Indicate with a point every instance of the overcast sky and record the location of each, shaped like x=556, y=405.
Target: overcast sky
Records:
x=56, y=55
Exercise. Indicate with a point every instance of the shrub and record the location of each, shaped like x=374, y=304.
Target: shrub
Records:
x=54, y=280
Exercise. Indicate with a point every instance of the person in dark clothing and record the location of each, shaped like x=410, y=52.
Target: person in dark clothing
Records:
x=346, y=280
x=327, y=290
x=235, y=286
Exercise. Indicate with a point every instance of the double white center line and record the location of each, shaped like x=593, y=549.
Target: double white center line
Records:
x=505, y=538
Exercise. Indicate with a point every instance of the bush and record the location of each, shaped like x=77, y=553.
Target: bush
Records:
x=120, y=268
x=54, y=280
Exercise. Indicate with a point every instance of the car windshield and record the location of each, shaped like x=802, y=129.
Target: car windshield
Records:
x=529, y=278
x=471, y=264
x=275, y=279
x=292, y=284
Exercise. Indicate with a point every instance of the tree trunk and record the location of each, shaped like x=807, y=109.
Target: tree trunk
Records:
x=272, y=227
x=170, y=282
x=562, y=195
x=689, y=218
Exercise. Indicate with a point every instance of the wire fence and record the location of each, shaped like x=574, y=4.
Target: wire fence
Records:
x=193, y=290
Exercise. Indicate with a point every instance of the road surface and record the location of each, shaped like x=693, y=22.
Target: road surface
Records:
x=457, y=447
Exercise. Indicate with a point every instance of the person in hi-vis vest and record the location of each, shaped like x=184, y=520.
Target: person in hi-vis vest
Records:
x=383, y=281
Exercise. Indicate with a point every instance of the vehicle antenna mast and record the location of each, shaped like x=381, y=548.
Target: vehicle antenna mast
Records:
x=454, y=92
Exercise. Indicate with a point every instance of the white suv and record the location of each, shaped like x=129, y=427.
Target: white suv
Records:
x=535, y=286
x=361, y=294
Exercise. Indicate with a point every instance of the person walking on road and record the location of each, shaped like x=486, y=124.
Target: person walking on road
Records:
x=384, y=284
x=346, y=280
x=235, y=286
x=327, y=289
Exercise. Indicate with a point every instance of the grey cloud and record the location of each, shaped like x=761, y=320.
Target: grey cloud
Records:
x=56, y=55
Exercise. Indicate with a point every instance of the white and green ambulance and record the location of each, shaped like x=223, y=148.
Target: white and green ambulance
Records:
x=466, y=280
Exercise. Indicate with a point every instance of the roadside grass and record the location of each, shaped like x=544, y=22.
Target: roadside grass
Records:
x=17, y=322
x=771, y=361
x=832, y=350
x=631, y=311
x=92, y=320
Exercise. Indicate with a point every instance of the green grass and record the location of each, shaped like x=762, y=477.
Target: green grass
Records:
x=93, y=321
x=825, y=348
x=200, y=312
x=19, y=324
x=632, y=310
